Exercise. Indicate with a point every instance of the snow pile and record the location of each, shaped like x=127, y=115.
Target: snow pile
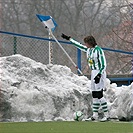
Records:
x=31, y=91
x=120, y=101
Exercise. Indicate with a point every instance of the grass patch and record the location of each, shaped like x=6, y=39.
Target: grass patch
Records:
x=66, y=127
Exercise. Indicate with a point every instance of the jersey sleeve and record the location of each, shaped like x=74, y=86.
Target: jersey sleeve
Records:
x=78, y=45
x=102, y=60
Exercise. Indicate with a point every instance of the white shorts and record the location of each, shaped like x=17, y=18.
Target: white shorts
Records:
x=101, y=84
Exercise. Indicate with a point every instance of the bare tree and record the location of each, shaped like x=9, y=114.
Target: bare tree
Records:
x=109, y=21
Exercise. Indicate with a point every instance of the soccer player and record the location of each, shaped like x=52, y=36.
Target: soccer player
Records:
x=97, y=63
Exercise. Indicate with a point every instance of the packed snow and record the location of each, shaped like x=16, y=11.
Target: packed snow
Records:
x=32, y=91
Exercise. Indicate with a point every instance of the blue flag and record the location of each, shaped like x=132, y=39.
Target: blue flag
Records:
x=48, y=21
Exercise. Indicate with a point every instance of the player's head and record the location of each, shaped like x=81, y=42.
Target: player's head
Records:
x=90, y=41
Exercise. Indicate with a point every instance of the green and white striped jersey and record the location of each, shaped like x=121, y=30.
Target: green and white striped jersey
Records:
x=95, y=56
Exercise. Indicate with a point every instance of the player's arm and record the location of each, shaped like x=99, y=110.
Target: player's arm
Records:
x=74, y=42
x=102, y=64
x=102, y=61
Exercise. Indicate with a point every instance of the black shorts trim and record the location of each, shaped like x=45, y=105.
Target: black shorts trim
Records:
x=97, y=94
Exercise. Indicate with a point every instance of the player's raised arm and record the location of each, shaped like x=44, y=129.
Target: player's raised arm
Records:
x=74, y=42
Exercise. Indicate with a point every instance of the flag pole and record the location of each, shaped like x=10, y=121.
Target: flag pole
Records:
x=50, y=25
x=50, y=50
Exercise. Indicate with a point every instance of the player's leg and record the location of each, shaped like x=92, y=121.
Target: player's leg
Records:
x=95, y=100
x=103, y=102
x=95, y=108
x=104, y=108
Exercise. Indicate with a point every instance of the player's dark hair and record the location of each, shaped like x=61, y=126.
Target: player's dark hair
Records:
x=90, y=40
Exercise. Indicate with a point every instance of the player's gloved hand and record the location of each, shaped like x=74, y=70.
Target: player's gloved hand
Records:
x=65, y=36
x=97, y=78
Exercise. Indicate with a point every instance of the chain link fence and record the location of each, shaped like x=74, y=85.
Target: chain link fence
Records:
x=38, y=49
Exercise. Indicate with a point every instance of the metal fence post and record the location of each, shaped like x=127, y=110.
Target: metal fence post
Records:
x=79, y=59
x=14, y=45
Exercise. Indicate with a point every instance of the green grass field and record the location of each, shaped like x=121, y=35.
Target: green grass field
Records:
x=66, y=127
